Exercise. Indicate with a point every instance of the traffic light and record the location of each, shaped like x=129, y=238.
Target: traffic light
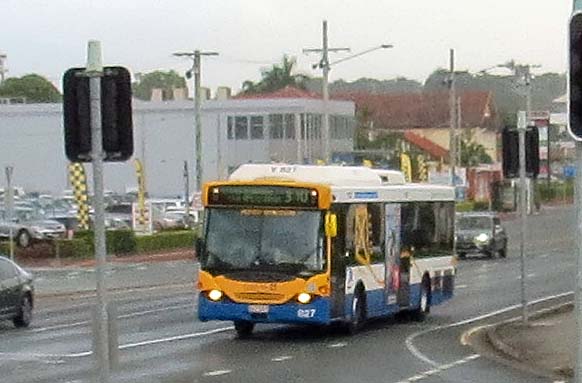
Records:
x=575, y=76
x=116, y=114
x=510, y=143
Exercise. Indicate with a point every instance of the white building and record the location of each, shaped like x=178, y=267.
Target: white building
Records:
x=283, y=126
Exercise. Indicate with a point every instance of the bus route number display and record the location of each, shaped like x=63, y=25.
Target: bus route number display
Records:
x=274, y=196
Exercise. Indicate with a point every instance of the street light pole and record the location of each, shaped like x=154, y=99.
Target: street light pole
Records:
x=325, y=66
x=196, y=71
x=452, y=117
x=522, y=127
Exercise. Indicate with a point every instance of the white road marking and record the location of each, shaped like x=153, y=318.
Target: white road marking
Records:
x=461, y=286
x=217, y=372
x=544, y=255
x=439, y=369
x=281, y=358
x=337, y=345
x=124, y=316
x=419, y=355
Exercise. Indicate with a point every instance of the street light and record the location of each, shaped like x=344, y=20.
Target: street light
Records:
x=325, y=66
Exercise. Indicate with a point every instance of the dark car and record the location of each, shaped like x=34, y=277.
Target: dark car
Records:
x=481, y=233
x=16, y=293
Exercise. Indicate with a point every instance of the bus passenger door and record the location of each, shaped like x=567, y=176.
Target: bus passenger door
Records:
x=339, y=263
x=392, y=247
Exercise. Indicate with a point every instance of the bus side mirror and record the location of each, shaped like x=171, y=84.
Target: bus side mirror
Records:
x=331, y=225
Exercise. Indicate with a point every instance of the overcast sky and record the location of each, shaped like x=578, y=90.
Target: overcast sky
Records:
x=49, y=36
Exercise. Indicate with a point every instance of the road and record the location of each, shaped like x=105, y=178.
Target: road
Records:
x=160, y=341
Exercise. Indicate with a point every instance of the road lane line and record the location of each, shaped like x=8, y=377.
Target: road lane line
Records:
x=337, y=345
x=281, y=358
x=442, y=368
x=124, y=316
x=409, y=342
x=217, y=372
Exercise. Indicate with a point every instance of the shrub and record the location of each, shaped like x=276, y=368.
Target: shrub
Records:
x=118, y=241
x=166, y=241
x=72, y=248
x=465, y=206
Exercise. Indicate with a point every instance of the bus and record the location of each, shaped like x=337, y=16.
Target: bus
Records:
x=301, y=244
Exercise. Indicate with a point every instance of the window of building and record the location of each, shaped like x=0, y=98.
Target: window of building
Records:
x=290, y=126
x=241, y=128
x=257, y=128
x=276, y=126
x=229, y=128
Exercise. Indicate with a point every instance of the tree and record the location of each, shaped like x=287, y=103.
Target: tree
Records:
x=166, y=81
x=33, y=87
x=277, y=77
x=473, y=154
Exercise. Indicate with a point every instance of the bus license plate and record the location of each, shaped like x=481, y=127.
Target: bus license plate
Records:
x=258, y=309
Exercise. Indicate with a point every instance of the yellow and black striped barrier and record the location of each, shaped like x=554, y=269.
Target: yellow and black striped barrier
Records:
x=78, y=181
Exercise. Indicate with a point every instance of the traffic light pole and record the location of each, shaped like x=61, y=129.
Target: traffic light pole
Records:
x=101, y=324
x=578, y=234
x=521, y=128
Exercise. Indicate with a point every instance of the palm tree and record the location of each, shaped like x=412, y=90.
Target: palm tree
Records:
x=277, y=77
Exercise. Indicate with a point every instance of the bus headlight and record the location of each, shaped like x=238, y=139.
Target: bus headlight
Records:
x=215, y=295
x=304, y=298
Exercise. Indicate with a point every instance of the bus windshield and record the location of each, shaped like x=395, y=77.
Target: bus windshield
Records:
x=287, y=241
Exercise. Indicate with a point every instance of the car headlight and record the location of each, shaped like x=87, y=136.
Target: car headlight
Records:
x=304, y=298
x=482, y=238
x=215, y=295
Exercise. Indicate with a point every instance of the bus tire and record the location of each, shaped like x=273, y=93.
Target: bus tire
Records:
x=244, y=329
x=358, y=315
x=419, y=314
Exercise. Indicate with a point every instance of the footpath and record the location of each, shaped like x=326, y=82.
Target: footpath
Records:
x=546, y=346
x=69, y=277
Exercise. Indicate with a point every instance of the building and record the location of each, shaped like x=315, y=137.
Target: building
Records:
x=283, y=126
x=424, y=118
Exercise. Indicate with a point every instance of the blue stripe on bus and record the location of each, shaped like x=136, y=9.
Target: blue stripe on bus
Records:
x=316, y=312
x=365, y=195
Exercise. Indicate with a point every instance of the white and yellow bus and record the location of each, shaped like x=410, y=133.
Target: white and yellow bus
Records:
x=317, y=244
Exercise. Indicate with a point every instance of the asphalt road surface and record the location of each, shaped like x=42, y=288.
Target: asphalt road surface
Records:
x=161, y=341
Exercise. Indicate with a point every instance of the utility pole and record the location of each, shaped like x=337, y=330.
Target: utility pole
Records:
x=3, y=69
x=522, y=127
x=453, y=119
x=186, y=193
x=9, y=201
x=458, y=134
x=324, y=65
x=196, y=72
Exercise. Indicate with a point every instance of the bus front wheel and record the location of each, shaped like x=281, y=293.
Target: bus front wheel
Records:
x=244, y=329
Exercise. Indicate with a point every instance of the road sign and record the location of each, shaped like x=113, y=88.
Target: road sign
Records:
x=116, y=114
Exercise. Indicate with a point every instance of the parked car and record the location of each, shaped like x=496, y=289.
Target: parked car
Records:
x=29, y=226
x=16, y=293
x=480, y=232
x=170, y=220
x=119, y=215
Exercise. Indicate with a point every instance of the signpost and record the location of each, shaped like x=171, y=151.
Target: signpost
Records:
x=98, y=127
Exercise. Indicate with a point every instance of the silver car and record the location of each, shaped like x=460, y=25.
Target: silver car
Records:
x=29, y=226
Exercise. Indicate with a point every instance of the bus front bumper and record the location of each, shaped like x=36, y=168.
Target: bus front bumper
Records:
x=315, y=312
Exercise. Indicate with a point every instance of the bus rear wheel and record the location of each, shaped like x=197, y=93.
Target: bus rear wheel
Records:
x=244, y=329
x=420, y=313
x=358, y=316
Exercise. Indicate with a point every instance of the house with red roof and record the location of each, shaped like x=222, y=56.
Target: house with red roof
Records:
x=424, y=118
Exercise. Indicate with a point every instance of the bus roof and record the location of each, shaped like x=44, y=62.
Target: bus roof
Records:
x=327, y=175
x=349, y=184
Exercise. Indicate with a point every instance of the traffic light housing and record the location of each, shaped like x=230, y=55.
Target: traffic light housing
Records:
x=510, y=143
x=575, y=76
x=116, y=114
